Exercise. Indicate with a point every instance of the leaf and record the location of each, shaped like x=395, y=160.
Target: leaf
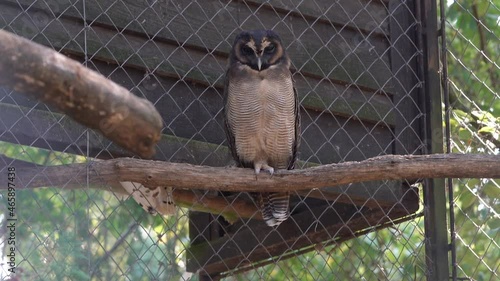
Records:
x=482, y=116
x=473, y=183
x=460, y=113
x=464, y=134
x=467, y=199
x=494, y=225
x=491, y=191
x=487, y=130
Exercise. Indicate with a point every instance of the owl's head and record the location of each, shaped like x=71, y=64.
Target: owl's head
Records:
x=259, y=49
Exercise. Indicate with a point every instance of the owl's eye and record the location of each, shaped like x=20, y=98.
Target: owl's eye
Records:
x=246, y=50
x=270, y=49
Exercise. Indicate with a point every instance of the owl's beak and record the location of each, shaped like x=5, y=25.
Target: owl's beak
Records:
x=259, y=63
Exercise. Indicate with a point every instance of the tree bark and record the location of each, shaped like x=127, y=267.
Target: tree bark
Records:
x=187, y=176
x=84, y=95
x=72, y=177
x=107, y=174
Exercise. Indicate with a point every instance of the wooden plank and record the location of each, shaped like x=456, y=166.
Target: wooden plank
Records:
x=193, y=65
x=201, y=227
x=53, y=131
x=351, y=14
x=193, y=112
x=191, y=146
x=368, y=16
x=325, y=139
x=43, y=129
x=324, y=144
x=315, y=93
x=404, y=56
x=332, y=140
x=314, y=47
x=321, y=50
x=333, y=51
x=348, y=101
x=330, y=146
x=259, y=242
x=56, y=132
x=369, y=194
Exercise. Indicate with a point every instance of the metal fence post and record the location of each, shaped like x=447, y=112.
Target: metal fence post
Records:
x=436, y=232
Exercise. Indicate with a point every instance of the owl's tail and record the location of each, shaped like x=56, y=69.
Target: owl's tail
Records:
x=274, y=207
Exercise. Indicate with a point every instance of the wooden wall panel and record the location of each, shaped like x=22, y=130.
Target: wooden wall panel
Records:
x=315, y=47
x=191, y=64
x=355, y=66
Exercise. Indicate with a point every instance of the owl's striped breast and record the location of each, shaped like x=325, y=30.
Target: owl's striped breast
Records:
x=261, y=114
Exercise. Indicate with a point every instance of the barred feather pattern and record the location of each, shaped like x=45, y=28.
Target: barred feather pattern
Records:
x=274, y=207
x=261, y=116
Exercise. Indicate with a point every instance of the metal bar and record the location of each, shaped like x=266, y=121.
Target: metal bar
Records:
x=447, y=109
x=436, y=232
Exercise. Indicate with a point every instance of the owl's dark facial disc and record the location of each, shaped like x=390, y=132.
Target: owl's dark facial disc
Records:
x=259, y=49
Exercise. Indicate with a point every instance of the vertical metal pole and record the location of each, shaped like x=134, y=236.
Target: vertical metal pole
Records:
x=447, y=109
x=436, y=231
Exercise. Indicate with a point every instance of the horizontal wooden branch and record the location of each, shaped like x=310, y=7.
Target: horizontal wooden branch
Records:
x=186, y=176
x=84, y=95
x=30, y=175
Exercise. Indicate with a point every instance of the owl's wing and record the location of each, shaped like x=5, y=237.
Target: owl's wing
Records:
x=227, y=128
x=296, y=142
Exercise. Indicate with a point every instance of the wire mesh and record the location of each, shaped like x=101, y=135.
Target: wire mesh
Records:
x=356, y=70
x=472, y=40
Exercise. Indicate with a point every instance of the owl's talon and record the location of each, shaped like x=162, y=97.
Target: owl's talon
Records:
x=257, y=168
x=268, y=168
x=260, y=166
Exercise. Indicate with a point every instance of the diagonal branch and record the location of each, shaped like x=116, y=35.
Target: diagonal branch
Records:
x=483, y=46
x=108, y=253
x=82, y=94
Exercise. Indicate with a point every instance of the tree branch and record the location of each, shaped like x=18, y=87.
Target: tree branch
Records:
x=484, y=47
x=187, y=176
x=79, y=92
x=182, y=177
x=231, y=209
x=108, y=253
x=30, y=175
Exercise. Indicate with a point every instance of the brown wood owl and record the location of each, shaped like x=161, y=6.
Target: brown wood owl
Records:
x=261, y=112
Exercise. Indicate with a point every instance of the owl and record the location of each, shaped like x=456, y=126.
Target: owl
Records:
x=261, y=113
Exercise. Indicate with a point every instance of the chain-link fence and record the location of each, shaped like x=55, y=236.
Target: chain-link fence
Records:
x=361, y=70
x=472, y=45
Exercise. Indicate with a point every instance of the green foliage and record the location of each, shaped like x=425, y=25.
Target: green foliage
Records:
x=90, y=234
x=389, y=254
x=473, y=46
